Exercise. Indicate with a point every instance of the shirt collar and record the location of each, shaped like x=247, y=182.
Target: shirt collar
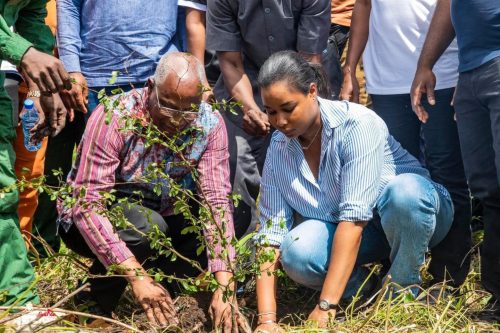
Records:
x=333, y=114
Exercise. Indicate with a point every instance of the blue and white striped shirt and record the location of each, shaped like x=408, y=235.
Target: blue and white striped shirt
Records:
x=358, y=159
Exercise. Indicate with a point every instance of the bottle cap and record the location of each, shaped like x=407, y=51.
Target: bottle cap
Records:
x=28, y=104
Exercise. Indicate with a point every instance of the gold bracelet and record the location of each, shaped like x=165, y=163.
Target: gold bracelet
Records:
x=270, y=321
x=34, y=93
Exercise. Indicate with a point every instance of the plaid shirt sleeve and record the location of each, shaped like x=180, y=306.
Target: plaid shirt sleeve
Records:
x=215, y=187
x=98, y=159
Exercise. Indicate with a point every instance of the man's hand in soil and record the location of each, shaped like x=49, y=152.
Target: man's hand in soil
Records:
x=76, y=98
x=46, y=71
x=322, y=317
x=222, y=311
x=155, y=300
x=255, y=122
x=53, y=119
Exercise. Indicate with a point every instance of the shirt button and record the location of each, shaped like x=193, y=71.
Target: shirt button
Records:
x=271, y=38
x=267, y=10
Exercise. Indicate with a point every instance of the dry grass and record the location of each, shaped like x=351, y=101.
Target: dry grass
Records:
x=59, y=275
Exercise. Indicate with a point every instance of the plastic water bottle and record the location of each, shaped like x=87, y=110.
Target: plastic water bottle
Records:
x=29, y=117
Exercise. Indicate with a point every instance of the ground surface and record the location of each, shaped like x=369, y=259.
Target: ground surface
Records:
x=60, y=274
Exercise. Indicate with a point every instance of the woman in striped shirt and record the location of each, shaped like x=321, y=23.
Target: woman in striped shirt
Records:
x=360, y=197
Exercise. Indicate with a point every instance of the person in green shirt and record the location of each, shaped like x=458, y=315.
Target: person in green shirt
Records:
x=27, y=42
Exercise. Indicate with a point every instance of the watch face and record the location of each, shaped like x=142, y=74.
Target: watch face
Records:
x=324, y=305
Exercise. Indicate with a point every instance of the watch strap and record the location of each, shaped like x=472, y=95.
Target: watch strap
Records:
x=325, y=305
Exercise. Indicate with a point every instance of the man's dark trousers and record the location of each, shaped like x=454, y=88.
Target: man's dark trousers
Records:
x=477, y=104
x=107, y=291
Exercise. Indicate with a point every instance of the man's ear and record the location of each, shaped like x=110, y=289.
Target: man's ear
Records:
x=150, y=83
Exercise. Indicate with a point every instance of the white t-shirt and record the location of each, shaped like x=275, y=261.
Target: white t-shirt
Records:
x=397, y=33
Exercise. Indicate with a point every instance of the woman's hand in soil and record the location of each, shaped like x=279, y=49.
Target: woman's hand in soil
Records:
x=155, y=300
x=322, y=317
x=269, y=328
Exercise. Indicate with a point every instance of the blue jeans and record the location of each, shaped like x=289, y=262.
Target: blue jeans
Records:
x=412, y=217
x=437, y=141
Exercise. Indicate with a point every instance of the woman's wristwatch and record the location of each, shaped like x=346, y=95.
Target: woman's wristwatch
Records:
x=325, y=305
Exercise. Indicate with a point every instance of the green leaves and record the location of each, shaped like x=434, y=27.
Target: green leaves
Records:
x=113, y=78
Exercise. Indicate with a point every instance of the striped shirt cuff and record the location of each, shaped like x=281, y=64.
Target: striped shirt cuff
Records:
x=264, y=238
x=355, y=212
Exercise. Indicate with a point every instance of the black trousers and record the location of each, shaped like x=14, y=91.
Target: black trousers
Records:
x=107, y=291
x=477, y=104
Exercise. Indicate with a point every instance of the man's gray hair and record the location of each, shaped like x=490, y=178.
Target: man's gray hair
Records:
x=164, y=67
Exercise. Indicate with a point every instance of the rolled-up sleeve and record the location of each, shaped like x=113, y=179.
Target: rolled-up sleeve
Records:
x=215, y=187
x=314, y=26
x=363, y=156
x=223, y=32
x=97, y=160
x=276, y=215
x=68, y=33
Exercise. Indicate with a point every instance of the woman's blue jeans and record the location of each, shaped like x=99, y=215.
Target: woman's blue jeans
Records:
x=411, y=217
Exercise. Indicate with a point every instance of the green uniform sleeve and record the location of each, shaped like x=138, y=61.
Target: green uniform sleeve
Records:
x=12, y=46
x=31, y=31
x=31, y=25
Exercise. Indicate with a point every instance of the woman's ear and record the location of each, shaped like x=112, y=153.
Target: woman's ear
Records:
x=313, y=90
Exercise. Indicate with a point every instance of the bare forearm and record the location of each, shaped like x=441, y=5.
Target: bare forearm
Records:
x=132, y=270
x=236, y=80
x=224, y=279
x=439, y=36
x=266, y=288
x=343, y=257
x=358, y=32
x=195, y=27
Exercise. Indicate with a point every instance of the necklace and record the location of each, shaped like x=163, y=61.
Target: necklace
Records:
x=313, y=139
